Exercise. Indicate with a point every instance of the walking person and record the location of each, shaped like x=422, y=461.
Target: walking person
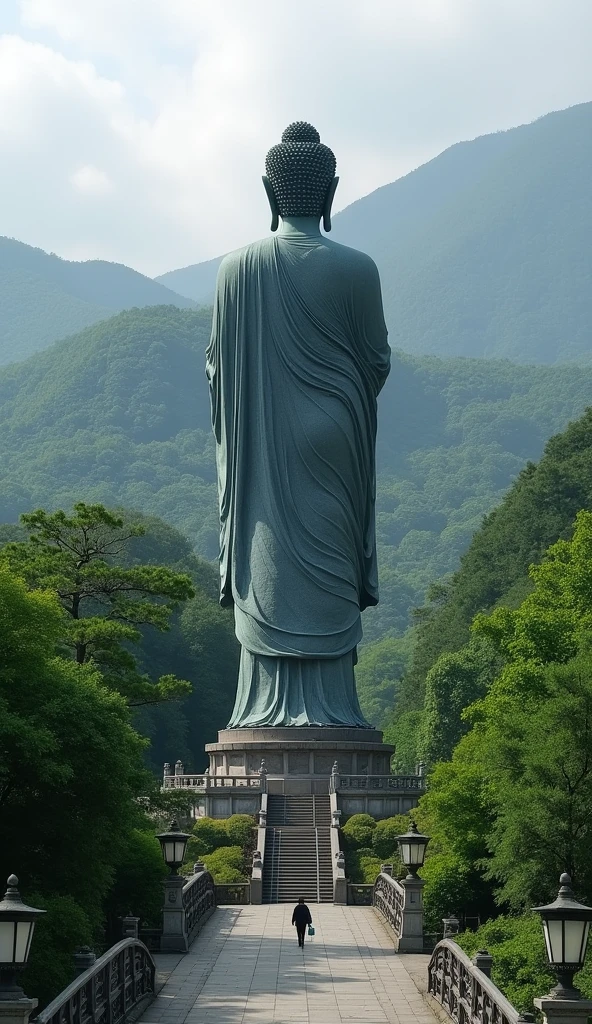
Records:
x=301, y=918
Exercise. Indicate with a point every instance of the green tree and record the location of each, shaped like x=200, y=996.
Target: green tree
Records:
x=455, y=681
x=515, y=798
x=79, y=557
x=380, y=666
x=71, y=776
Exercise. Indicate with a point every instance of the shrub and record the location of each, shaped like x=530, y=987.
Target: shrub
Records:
x=517, y=947
x=226, y=864
x=212, y=832
x=384, y=837
x=240, y=829
x=196, y=850
x=362, y=866
x=357, y=831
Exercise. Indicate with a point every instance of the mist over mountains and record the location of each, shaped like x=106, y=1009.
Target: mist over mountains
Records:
x=44, y=298
x=484, y=251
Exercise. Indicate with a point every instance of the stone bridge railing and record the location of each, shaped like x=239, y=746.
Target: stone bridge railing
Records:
x=467, y=994
x=400, y=903
x=400, y=783
x=199, y=902
x=119, y=983
x=209, y=782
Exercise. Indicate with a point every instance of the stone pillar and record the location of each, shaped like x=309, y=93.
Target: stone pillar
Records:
x=257, y=879
x=335, y=778
x=411, y=940
x=84, y=958
x=130, y=927
x=167, y=771
x=174, y=934
x=562, y=1011
x=451, y=925
x=17, y=1011
x=483, y=960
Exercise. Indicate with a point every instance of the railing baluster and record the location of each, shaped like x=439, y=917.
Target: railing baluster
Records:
x=467, y=995
x=107, y=991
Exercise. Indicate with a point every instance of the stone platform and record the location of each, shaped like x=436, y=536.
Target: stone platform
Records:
x=299, y=760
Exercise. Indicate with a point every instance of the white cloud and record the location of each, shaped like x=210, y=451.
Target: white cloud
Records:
x=91, y=181
x=136, y=130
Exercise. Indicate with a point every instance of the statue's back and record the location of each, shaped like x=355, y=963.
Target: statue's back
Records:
x=298, y=355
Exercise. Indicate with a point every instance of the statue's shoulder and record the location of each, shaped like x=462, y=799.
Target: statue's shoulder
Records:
x=234, y=261
x=358, y=261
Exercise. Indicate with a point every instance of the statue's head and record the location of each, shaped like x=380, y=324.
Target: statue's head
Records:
x=300, y=180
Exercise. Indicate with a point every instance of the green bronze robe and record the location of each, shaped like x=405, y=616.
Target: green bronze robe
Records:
x=297, y=357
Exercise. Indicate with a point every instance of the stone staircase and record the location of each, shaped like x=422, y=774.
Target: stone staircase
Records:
x=298, y=850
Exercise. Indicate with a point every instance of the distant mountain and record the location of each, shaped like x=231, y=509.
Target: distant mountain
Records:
x=120, y=413
x=197, y=281
x=483, y=251
x=43, y=298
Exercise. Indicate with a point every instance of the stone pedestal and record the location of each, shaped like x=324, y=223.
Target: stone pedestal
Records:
x=564, y=1011
x=174, y=936
x=17, y=1011
x=411, y=940
x=299, y=760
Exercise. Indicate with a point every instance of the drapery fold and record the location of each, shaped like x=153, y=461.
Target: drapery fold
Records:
x=297, y=356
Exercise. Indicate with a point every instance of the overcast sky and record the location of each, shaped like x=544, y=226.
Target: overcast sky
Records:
x=136, y=130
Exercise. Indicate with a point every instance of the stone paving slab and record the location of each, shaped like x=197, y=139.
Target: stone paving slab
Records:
x=245, y=967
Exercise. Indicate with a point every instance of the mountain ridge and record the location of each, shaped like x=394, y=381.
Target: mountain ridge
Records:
x=44, y=298
x=483, y=250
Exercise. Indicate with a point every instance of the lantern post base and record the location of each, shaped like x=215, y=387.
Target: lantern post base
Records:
x=16, y=1011
x=564, y=1011
x=174, y=934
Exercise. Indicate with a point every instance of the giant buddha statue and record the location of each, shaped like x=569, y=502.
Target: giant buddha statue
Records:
x=297, y=357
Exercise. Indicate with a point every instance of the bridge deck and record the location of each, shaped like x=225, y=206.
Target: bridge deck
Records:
x=245, y=966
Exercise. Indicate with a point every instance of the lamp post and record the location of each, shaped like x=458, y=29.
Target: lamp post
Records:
x=17, y=924
x=566, y=924
x=173, y=844
x=412, y=848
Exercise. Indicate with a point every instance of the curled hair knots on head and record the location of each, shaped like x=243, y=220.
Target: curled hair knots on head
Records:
x=300, y=170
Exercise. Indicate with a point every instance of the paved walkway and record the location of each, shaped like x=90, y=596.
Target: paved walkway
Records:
x=245, y=966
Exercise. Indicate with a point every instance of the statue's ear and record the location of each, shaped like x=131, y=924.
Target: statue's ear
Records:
x=329, y=203
x=275, y=213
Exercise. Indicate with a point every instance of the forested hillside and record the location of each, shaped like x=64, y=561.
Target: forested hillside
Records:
x=448, y=668
x=483, y=251
x=43, y=298
x=120, y=414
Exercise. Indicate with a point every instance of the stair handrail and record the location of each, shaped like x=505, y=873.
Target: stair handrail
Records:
x=337, y=858
x=277, y=850
x=259, y=854
x=119, y=981
x=316, y=831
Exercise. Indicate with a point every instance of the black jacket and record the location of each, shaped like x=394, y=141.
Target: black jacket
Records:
x=301, y=916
